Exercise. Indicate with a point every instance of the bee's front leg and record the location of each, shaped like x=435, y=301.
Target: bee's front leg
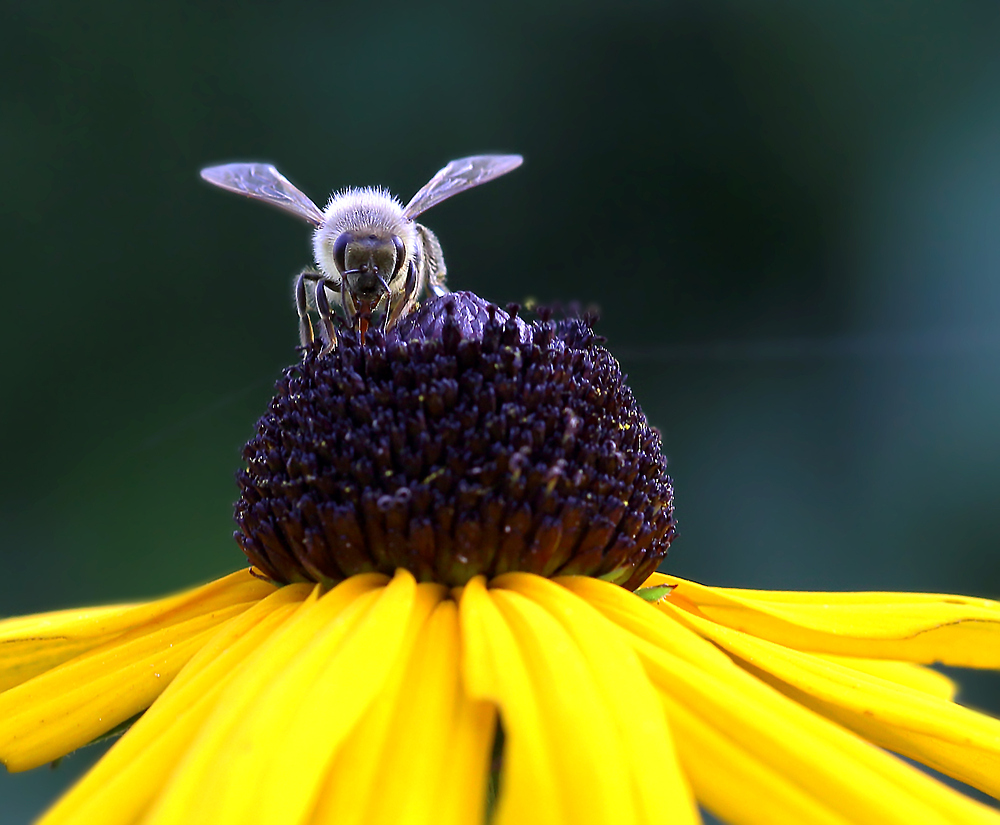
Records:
x=306, y=336
x=407, y=299
x=328, y=330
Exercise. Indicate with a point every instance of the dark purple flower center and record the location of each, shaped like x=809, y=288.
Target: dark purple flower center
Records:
x=465, y=441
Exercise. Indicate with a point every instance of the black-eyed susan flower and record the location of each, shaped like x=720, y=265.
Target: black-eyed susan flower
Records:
x=446, y=528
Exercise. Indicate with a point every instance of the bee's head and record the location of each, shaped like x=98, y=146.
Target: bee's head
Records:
x=368, y=260
x=364, y=242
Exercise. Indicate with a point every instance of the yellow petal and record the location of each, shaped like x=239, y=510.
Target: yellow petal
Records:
x=734, y=784
x=956, y=755
x=566, y=754
x=342, y=608
x=839, y=771
x=121, y=786
x=913, y=627
x=641, y=729
x=409, y=759
x=955, y=740
x=495, y=670
x=438, y=768
x=64, y=708
x=918, y=677
x=278, y=727
x=30, y=645
x=467, y=771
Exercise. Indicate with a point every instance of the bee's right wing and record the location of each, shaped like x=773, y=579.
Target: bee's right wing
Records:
x=458, y=176
x=263, y=182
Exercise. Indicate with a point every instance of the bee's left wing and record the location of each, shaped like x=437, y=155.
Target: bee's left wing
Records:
x=265, y=183
x=458, y=176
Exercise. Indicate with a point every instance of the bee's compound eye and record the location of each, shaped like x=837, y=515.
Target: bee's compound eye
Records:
x=340, y=250
x=400, y=254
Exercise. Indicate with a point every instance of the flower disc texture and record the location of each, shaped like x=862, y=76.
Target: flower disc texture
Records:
x=467, y=442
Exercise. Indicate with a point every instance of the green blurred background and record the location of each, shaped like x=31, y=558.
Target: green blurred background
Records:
x=789, y=214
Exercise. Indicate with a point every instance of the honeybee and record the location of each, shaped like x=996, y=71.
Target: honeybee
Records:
x=367, y=247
